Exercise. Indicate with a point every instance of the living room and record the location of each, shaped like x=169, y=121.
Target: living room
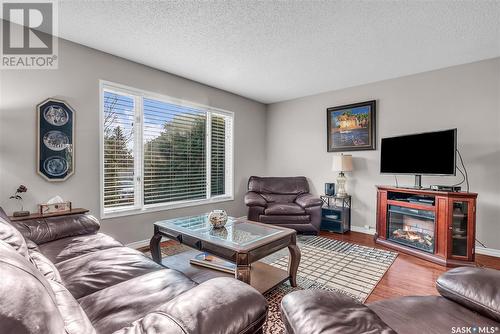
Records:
x=254, y=137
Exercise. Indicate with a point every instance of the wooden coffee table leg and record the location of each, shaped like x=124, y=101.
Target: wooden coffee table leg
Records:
x=242, y=273
x=154, y=247
x=293, y=262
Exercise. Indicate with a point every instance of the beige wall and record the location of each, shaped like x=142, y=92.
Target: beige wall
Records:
x=466, y=97
x=77, y=82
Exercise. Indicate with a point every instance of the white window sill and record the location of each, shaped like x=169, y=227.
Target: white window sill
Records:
x=108, y=214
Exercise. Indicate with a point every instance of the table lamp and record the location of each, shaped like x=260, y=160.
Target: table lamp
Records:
x=342, y=163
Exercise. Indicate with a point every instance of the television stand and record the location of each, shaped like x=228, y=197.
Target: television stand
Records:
x=437, y=226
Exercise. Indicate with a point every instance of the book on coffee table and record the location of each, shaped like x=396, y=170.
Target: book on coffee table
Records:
x=207, y=260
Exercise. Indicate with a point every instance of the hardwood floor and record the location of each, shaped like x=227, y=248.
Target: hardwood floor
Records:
x=408, y=275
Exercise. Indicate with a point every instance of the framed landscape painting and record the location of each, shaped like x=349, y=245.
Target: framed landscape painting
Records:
x=351, y=127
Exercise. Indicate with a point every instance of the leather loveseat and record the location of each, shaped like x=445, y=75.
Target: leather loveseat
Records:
x=283, y=201
x=469, y=303
x=59, y=275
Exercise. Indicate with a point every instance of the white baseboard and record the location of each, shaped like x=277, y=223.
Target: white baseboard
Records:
x=360, y=229
x=138, y=244
x=488, y=251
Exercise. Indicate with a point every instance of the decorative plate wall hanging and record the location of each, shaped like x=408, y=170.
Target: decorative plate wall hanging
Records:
x=55, y=140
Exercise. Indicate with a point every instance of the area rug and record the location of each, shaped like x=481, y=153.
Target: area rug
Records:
x=325, y=264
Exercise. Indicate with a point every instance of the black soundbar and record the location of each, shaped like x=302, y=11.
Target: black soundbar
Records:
x=446, y=188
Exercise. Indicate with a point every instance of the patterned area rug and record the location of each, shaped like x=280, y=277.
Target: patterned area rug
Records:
x=332, y=265
x=325, y=264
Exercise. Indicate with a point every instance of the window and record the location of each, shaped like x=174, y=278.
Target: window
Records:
x=158, y=152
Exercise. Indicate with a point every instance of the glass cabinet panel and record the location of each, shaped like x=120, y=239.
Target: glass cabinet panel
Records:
x=459, y=232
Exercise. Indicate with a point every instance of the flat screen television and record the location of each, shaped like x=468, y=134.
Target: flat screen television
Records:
x=431, y=153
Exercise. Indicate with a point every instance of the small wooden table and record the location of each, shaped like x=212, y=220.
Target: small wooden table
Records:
x=242, y=242
x=47, y=215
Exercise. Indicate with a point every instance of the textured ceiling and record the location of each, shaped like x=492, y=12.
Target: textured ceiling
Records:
x=277, y=50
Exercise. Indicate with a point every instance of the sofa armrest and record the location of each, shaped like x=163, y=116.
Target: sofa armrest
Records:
x=477, y=289
x=254, y=199
x=308, y=200
x=321, y=311
x=220, y=305
x=52, y=228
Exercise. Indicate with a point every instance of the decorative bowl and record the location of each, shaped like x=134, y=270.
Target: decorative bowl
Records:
x=217, y=218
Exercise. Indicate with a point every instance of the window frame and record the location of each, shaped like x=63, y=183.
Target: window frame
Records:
x=139, y=207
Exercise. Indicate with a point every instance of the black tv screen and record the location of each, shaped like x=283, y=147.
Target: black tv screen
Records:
x=425, y=153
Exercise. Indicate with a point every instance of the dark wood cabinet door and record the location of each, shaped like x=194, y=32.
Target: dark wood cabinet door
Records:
x=461, y=229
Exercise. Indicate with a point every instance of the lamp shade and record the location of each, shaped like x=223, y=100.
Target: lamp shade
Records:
x=342, y=163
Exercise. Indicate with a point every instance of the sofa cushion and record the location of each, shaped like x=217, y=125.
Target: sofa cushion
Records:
x=67, y=248
x=10, y=235
x=278, y=185
x=429, y=314
x=53, y=228
x=91, y=272
x=326, y=312
x=283, y=209
x=219, y=305
x=475, y=288
x=279, y=198
x=285, y=219
x=119, y=305
x=27, y=302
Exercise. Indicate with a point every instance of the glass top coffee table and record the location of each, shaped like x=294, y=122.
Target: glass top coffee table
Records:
x=240, y=241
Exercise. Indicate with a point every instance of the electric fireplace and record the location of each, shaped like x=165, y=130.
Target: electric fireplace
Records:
x=437, y=226
x=411, y=227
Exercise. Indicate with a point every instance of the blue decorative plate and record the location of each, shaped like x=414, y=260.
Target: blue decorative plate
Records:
x=55, y=115
x=55, y=166
x=56, y=140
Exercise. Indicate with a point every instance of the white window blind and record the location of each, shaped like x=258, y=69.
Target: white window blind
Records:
x=174, y=152
x=118, y=150
x=162, y=153
x=220, y=146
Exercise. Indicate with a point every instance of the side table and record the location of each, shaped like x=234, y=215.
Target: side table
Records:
x=336, y=214
x=37, y=215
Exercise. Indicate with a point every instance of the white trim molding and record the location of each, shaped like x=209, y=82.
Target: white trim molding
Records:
x=488, y=251
x=364, y=230
x=138, y=244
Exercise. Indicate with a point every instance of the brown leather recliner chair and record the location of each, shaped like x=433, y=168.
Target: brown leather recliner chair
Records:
x=283, y=201
x=469, y=303
x=59, y=275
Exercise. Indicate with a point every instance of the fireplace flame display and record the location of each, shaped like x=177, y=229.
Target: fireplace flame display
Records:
x=417, y=232
x=413, y=236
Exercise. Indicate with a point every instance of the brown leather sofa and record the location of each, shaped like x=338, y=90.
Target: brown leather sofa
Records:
x=59, y=275
x=283, y=201
x=469, y=303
